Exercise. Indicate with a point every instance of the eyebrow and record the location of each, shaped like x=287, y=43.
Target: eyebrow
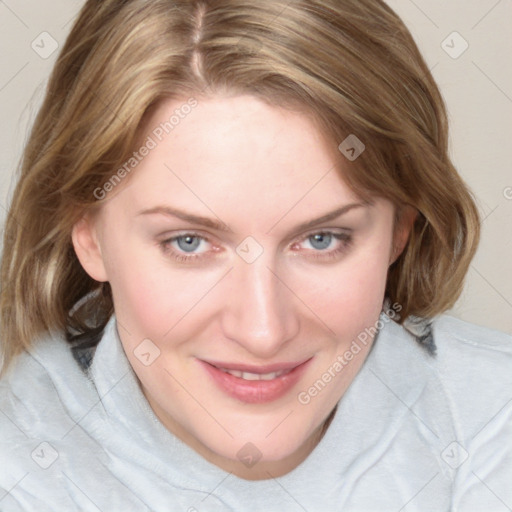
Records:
x=188, y=217
x=221, y=226
x=331, y=215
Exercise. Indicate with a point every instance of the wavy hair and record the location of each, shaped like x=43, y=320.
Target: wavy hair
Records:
x=351, y=64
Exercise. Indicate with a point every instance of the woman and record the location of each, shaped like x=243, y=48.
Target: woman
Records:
x=234, y=234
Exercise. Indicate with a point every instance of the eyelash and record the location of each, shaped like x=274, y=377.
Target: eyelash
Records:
x=343, y=237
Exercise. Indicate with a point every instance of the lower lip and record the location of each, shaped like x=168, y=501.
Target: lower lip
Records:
x=255, y=391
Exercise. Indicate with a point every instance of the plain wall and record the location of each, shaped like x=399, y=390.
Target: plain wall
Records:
x=476, y=84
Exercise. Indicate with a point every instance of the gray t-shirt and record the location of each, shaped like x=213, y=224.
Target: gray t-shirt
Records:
x=414, y=432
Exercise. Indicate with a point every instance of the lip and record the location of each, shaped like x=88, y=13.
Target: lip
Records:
x=255, y=391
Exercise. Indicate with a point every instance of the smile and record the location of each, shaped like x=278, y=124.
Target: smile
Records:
x=252, y=384
x=255, y=376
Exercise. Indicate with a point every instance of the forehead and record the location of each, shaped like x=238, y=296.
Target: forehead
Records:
x=237, y=154
x=223, y=128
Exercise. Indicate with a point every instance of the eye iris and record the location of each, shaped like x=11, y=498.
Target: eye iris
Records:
x=188, y=243
x=320, y=240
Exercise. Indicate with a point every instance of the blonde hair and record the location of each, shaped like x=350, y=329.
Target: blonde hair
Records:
x=351, y=64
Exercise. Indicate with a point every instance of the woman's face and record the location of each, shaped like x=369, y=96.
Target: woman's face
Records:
x=242, y=268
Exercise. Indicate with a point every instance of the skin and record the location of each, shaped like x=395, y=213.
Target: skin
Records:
x=261, y=171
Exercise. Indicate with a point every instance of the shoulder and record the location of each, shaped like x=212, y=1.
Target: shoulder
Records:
x=473, y=370
x=473, y=366
x=55, y=434
x=469, y=375
x=38, y=426
x=450, y=411
x=481, y=355
x=447, y=327
x=35, y=387
x=473, y=377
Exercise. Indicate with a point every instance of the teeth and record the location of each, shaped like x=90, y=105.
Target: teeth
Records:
x=255, y=376
x=235, y=373
x=250, y=376
x=270, y=376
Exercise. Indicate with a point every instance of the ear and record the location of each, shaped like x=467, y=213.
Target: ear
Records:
x=403, y=226
x=87, y=248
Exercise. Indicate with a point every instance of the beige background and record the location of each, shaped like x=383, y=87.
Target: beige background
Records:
x=476, y=84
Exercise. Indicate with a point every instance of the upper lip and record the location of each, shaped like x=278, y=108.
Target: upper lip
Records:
x=267, y=368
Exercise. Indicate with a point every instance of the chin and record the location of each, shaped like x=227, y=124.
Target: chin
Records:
x=269, y=444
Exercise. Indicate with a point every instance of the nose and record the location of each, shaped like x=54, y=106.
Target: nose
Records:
x=259, y=312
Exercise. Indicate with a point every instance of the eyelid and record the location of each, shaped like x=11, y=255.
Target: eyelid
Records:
x=296, y=237
x=183, y=232
x=343, y=235
x=345, y=241
x=327, y=230
x=293, y=240
x=169, y=238
x=333, y=231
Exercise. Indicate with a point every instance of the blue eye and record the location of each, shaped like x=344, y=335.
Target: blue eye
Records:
x=320, y=241
x=327, y=245
x=187, y=247
x=321, y=246
x=188, y=243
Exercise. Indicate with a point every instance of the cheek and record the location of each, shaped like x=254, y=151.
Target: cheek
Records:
x=142, y=292
x=352, y=295
x=150, y=296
